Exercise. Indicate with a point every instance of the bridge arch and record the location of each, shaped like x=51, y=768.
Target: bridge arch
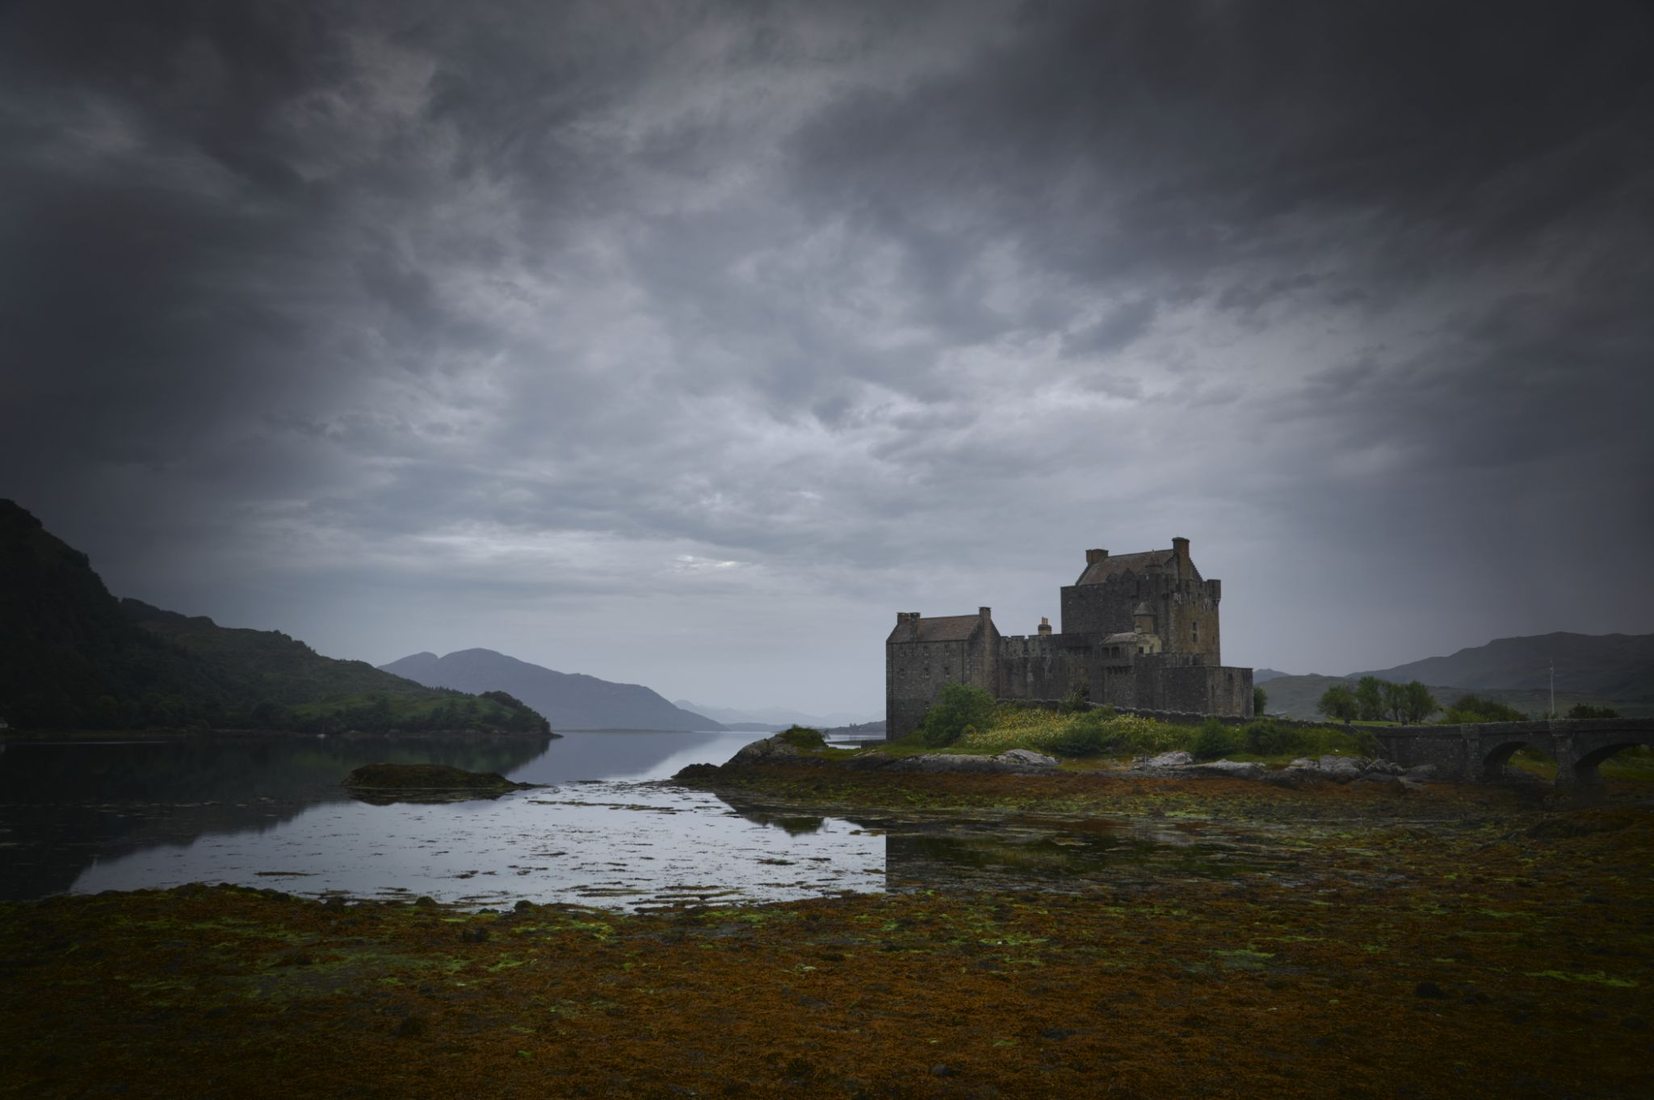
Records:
x=1591, y=748
x=1480, y=751
x=1496, y=753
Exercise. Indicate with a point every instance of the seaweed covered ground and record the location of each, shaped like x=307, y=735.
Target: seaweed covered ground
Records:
x=1451, y=941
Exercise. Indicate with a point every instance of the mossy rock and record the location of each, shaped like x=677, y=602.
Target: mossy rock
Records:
x=386, y=783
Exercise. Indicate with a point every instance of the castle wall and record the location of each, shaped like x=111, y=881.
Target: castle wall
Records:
x=1049, y=667
x=1185, y=610
x=1190, y=624
x=1041, y=666
x=1180, y=683
x=1097, y=608
x=916, y=672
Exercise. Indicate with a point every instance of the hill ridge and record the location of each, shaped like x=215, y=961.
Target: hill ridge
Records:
x=571, y=700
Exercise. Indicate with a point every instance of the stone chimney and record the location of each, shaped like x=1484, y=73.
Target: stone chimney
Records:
x=1092, y=557
x=1181, y=548
x=1044, y=626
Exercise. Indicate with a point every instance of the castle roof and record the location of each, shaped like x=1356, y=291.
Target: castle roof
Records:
x=946, y=628
x=1112, y=566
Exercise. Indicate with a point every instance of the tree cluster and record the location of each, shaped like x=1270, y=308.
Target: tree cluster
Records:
x=1375, y=700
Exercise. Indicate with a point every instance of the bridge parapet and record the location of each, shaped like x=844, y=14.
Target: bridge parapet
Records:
x=1478, y=752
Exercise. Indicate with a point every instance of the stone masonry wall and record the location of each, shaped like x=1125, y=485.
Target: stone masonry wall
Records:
x=916, y=672
x=1041, y=666
x=1185, y=611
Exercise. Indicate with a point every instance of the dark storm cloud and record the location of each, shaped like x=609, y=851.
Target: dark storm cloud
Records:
x=786, y=305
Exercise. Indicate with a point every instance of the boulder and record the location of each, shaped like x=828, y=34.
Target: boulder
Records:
x=1340, y=769
x=770, y=750
x=1028, y=757
x=1296, y=777
x=940, y=763
x=1175, y=759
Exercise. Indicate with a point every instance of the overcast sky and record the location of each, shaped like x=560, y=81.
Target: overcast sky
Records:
x=685, y=344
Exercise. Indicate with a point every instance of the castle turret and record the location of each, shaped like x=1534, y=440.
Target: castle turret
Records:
x=1142, y=618
x=1044, y=626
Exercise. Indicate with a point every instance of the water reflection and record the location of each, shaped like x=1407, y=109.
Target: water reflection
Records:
x=270, y=812
x=66, y=805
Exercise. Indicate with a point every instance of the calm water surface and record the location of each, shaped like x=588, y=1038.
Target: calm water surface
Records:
x=269, y=812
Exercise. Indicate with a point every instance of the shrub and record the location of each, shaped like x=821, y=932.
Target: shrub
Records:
x=1214, y=740
x=1270, y=738
x=1586, y=710
x=1473, y=708
x=958, y=707
x=1085, y=737
x=802, y=737
x=1077, y=701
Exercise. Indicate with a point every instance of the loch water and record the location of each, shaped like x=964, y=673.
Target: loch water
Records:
x=606, y=829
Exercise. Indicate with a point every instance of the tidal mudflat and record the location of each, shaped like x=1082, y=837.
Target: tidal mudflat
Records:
x=1445, y=942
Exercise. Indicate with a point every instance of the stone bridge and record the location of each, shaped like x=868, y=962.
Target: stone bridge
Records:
x=1477, y=753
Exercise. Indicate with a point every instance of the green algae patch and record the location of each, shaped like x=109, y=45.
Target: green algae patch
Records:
x=1427, y=948
x=1595, y=978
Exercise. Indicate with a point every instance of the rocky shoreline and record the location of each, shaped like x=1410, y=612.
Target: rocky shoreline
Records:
x=1302, y=772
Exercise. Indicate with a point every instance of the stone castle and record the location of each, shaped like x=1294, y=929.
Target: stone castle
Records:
x=1139, y=631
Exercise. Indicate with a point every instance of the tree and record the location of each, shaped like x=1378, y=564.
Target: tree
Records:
x=1260, y=700
x=1407, y=703
x=1338, y=703
x=1420, y=703
x=1586, y=710
x=1369, y=699
x=958, y=706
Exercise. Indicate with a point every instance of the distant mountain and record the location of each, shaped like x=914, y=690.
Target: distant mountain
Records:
x=73, y=657
x=1610, y=666
x=1264, y=675
x=1615, y=670
x=778, y=718
x=571, y=700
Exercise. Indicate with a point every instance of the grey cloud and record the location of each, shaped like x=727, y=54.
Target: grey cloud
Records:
x=840, y=292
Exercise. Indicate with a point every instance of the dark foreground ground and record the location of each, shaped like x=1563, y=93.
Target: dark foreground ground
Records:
x=1445, y=942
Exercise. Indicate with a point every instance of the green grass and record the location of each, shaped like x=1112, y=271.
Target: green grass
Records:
x=1102, y=733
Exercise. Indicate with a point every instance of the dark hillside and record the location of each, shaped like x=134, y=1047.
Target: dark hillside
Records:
x=69, y=657
x=1607, y=666
x=73, y=657
x=283, y=683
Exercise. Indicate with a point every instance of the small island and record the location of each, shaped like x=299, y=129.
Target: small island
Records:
x=382, y=784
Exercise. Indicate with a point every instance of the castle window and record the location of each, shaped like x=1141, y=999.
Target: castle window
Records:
x=1194, y=631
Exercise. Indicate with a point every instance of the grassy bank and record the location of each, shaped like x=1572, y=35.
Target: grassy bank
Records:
x=1451, y=942
x=978, y=725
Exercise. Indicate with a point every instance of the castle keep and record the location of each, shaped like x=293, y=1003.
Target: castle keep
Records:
x=1139, y=631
